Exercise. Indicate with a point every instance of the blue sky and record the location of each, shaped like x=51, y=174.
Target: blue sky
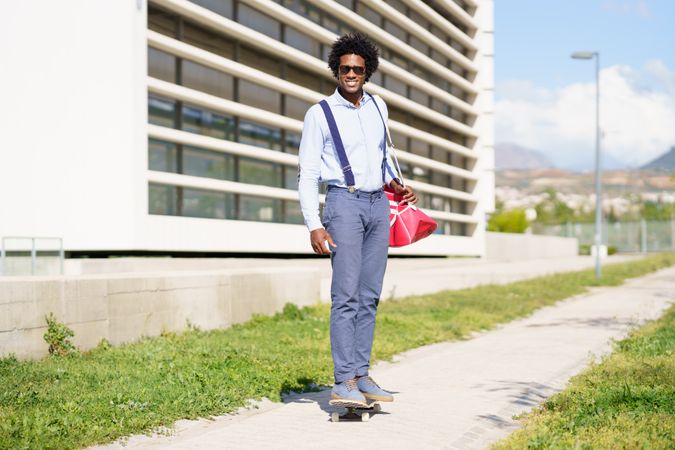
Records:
x=534, y=74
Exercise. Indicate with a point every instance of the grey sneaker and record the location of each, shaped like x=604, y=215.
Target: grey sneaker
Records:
x=372, y=391
x=347, y=394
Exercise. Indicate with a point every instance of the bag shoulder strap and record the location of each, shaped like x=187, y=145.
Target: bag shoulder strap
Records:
x=387, y=140
x=339, y=147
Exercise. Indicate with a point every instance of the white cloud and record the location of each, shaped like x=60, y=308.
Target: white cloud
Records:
x=637, y=115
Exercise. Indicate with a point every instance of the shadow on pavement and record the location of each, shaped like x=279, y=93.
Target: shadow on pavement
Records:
x=611, y=323
x=321, y=398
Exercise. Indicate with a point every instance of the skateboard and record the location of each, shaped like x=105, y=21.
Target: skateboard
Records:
x=355, y=412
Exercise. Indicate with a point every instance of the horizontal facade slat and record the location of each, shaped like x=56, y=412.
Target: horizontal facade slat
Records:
x=220, y=145
x=271, y=46
x=209, y=184
x=403, y=21
x=441, y=22
x=458, y=13
x=187, y=51
x=259, y=115
x=250, y=151
x=401, y=47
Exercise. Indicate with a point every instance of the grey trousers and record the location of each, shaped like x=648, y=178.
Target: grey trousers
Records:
x=358, y=222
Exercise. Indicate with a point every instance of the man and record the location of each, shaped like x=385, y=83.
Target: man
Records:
x=355, y=227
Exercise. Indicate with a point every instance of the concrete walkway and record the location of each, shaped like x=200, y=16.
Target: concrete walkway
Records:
x=452, y=395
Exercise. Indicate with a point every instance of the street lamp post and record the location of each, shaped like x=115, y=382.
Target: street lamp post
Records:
x=598, y=185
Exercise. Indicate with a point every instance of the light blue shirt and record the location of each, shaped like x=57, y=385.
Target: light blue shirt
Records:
x=362, y=133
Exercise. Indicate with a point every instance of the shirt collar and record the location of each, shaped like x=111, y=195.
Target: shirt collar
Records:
x=336, y=99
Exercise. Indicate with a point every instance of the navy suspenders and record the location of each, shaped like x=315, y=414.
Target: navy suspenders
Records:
x=340, y=149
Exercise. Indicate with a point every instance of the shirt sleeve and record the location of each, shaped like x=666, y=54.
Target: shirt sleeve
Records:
x=390, y=172
x=311, y=147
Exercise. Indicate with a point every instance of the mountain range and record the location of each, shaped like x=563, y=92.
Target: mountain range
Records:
x=514, y=156
x=664, y=162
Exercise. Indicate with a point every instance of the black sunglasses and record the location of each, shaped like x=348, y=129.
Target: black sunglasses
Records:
x=358, y=70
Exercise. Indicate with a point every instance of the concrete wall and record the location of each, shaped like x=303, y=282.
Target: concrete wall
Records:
x=529, y=246
x=122, y=308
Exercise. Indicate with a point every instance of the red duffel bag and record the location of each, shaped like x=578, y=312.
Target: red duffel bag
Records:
x=407, y=223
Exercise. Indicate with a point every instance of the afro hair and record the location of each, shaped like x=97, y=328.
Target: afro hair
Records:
x=357, y=44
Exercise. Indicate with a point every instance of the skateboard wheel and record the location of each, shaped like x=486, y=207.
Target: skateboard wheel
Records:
x=377, y=407
x=365, y=417
x=335, y=417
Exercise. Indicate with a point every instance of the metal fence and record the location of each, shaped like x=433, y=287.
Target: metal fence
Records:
x=31, y=255
x=640, y=236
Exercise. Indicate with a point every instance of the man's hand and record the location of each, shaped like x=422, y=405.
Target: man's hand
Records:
x=406, y=192
x=318, y=239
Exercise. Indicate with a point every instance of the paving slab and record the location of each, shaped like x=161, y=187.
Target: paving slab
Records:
x=455, y=395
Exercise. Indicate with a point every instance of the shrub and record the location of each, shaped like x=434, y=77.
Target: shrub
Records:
x=58, y=337
x=513, y=221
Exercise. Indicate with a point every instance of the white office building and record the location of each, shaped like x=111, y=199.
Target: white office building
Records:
x=173, y=126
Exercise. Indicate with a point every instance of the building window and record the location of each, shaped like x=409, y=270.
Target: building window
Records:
x=303, y=78
x=395, y=30
x=440, y=179
x=161, y=22
x=440, y=154
x=292, y=143
x=419, y=96
x=399, y=140
x=207, y=204
x=292, y=212
x=439, y=106
x=376, y=78
x=204, y=79
x=397, y=114
x=369, y=14
x=420, y=124
x=222, y=7
x=258, y=96
x=161, y=112
x=301, y=42
x=290, y=178
x=255, y=59
x=419, y=19
x=253, y=171
x=296, y=108
x=444, y=227
x=418, y=147
x=303, y=8
x=395, y=85
x=418, y=45
x=162, y=199
x=336, y=26
x=421, y=174
x=162, y=156
x=440, y=203
x=206, y=163
x=207, y=123
x=259, y=209
x=259, y=135
x=208, y=40
x=258, y=21
x=161, y=65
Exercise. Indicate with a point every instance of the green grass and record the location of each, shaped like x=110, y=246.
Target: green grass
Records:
x=626, y=401
x=101, y=395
